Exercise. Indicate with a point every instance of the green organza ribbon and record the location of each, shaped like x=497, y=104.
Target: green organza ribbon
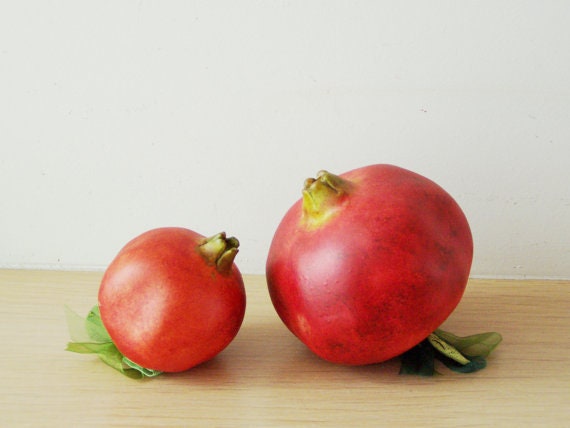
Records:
x=460, y=354
x=89, y=336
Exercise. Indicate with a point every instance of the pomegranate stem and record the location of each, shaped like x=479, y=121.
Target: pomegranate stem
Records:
x=219, y=251
x=323, y=196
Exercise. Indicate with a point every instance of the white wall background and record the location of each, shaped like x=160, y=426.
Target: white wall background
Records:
x=117, y=117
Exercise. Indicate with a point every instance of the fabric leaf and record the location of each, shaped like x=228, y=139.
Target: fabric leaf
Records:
x=94, y=326
x=477, y=345
x=446, y=349
x=89, y=336
x=419, y=360
x=144, y=371
x=460, y=354
x=474, y=365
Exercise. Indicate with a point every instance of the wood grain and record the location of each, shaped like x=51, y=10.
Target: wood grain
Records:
x=266, y=377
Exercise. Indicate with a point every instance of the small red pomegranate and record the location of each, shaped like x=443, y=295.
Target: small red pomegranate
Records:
x=172, y=299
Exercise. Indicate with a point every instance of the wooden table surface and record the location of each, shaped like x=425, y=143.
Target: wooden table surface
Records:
x=266, y=377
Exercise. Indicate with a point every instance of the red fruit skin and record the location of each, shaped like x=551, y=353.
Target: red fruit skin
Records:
x=164, y=306
x=379, y=276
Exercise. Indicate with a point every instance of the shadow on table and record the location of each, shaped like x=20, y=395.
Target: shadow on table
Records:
x=267, y=354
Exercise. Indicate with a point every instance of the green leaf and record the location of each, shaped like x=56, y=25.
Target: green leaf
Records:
x=477, y=345
x=144, y=371
x=460, y=354
x=474, y=365
x=76, y=326
x=89, y=347
x=446, y=349
x=108, y=353
x=419, y=360
x=89, y=336
x=94, y=326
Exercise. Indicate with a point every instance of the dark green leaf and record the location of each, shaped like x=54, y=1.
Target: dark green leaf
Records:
x=419, y=360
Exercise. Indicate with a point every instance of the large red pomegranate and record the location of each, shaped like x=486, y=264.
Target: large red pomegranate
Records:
x=172, y=298
x=369, y=263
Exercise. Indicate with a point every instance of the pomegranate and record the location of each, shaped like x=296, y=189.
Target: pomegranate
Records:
x=172, y=299
x=367, y=264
